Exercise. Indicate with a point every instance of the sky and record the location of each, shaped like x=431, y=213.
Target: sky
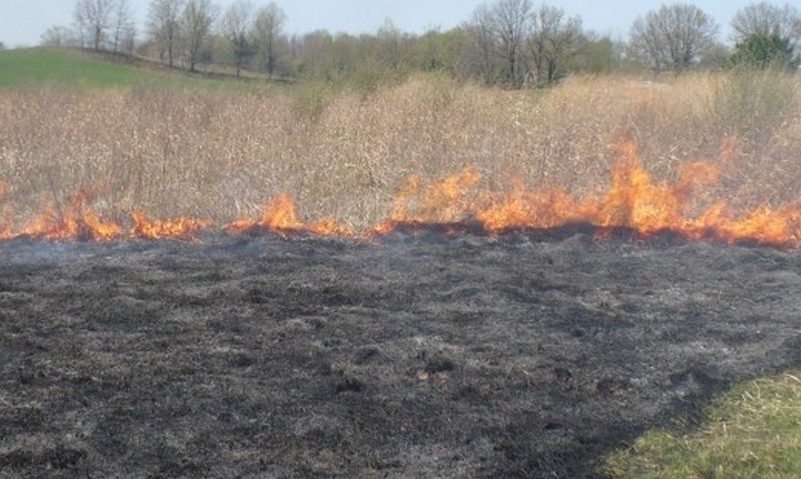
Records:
x=22, y=22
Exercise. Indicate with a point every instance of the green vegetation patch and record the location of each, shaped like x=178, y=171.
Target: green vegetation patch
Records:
x=754, y=431
x=38, y=67
x=35, y=67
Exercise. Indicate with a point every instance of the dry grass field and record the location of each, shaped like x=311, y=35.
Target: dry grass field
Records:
x=221, y=155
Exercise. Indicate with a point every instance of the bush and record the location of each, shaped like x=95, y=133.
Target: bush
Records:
x=766, y=52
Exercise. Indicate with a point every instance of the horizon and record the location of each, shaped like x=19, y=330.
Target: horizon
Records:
x=23, y=23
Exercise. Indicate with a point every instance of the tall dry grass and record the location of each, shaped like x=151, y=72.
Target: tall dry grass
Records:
x=221, y=155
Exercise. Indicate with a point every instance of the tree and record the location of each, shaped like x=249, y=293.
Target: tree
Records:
x=765, y=20
x=196, y=21
x=311, y=54
x=481, y=30
x=392, y=44
x=763, y=51
x=124, y=29
x=509, y=19
x=598, y=54
x=675, y=36
x=234, y=26
x=58, y=36
x=2, y=46
x=552, y=40
x=440, y=51
x=267, y=29
x=164, y=24
x=92, y=20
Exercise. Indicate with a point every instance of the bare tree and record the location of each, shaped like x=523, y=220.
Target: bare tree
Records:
x=766, y=19
x=164, y=24
x=92, y=21
x=510, y=18
x=481, y=30
x=267, y=29
x=197, y=19
x=235, y=25
x=552, y=39
x=675, y=36
x=647, y=43
x=392, y=44
x=58, y=36
x=124, y=29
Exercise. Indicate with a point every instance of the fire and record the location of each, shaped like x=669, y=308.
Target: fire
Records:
x=280, y=216
x=77, y=222
x=634, y=200
x=145, y=228
x=330, y=227
x=442, y=202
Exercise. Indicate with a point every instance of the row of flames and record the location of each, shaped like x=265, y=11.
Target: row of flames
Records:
x=633, y=201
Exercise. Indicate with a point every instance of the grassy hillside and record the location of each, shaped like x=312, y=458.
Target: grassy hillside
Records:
x=36, y=67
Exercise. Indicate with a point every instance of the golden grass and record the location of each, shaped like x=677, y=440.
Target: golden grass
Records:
x=222, y=155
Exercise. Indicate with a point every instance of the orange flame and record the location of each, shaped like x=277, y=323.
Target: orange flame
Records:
x=330, y=227
x=78, y=222
x=280, y=216
x=183, y=228
x=444, y=201
x=634, y=200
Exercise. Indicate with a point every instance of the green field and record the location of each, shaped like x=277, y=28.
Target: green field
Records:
x=33, y=68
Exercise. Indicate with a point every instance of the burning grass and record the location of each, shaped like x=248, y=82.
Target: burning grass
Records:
x=633, y=200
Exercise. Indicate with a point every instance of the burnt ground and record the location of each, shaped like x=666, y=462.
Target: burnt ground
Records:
x=413, y=356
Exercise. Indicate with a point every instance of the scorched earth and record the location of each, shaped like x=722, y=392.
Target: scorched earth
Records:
x=418, y=354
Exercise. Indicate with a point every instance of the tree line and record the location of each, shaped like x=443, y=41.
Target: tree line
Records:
x=507, y=42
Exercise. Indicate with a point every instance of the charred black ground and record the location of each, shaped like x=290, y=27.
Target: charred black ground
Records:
x=417, y=355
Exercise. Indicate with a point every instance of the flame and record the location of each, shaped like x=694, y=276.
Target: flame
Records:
x=77, y=222
x=330, y=227
x=280, y=216
x=634, y=200
x=444, y=201
x=184, y=228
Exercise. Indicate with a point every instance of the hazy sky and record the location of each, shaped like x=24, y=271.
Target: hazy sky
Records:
x=23, y=21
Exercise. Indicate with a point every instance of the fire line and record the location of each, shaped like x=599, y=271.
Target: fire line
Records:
x=633, y=200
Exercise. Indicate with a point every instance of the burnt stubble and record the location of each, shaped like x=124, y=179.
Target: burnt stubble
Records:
x=420, y=354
